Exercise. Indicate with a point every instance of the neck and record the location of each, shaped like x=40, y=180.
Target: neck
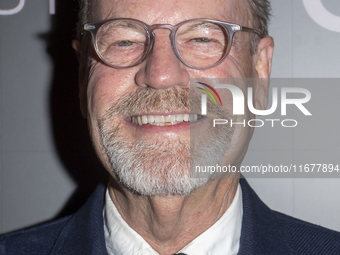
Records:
x=168, y=223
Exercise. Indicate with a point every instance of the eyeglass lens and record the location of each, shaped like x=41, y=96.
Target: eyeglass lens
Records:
x=199, y=44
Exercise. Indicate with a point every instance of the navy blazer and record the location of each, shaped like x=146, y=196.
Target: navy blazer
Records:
x=263, y=232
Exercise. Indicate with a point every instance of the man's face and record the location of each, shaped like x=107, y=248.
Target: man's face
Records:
x=155, y=160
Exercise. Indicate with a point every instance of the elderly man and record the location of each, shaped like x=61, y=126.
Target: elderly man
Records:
x=136, y=62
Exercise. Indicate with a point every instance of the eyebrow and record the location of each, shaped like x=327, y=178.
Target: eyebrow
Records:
x=121, y=24
x=127, y=24
x=199, y=25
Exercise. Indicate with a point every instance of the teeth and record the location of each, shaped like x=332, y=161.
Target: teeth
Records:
x=151, y=118
x=144, y=120
x=185, y=117
x=179, y=117
x=159, y=120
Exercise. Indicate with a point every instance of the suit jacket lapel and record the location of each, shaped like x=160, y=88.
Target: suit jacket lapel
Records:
x=84, y=232
x=261, y=233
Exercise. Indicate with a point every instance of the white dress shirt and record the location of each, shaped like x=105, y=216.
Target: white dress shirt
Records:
x=221, y=238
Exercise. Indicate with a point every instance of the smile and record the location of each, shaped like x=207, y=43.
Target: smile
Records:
x=161, y=120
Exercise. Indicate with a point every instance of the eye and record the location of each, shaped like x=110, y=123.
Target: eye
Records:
x=125, y=43
x=201, y=40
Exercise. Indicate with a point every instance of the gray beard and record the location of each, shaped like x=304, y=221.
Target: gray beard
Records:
x=161, y=168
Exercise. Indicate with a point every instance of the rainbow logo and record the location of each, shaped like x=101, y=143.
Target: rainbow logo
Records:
x=208, y=92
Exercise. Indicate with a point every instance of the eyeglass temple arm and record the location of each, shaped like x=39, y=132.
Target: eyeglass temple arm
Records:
x=247, y=29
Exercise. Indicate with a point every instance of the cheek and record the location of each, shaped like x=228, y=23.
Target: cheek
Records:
x=236, y=65
x=239, y=62
x=106, y=86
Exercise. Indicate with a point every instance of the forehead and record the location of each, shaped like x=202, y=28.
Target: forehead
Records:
x=171, y=11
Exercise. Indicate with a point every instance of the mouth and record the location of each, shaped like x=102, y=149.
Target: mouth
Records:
x=164, y=120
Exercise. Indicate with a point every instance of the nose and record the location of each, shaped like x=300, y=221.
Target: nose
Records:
x=162, y=69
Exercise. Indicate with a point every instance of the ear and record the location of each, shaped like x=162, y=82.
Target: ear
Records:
x=263, y=63
x=76, y=45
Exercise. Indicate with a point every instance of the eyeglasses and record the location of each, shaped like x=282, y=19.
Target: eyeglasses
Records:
x=197, y=43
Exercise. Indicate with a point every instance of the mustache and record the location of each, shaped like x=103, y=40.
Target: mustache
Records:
x=173, y=99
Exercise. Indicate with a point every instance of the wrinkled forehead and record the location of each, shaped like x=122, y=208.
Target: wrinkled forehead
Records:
x=172, y=11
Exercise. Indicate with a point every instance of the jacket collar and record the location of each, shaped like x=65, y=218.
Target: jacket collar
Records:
x=84, y=232
x=262, y=233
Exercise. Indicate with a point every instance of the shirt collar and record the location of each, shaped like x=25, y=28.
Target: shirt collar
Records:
x=223, y=237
